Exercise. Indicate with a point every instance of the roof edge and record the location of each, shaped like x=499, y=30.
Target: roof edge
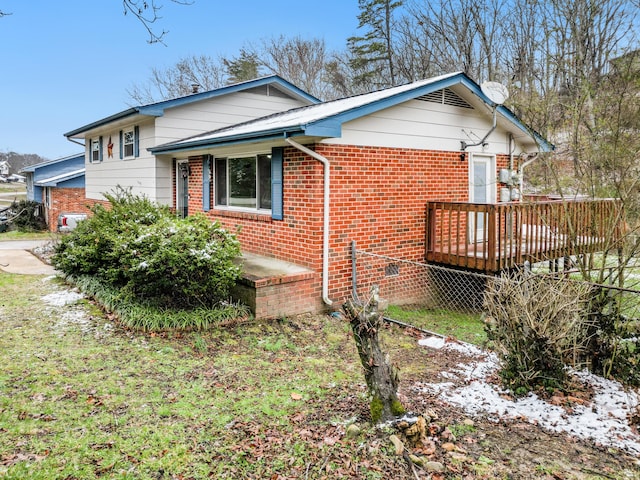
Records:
x=104, y=121
x=32, y=168
x=157, y=109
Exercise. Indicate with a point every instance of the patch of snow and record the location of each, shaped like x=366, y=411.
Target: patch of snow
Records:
x=604, y=421
x=432, y=342
x=62, y=298
x=73, y=317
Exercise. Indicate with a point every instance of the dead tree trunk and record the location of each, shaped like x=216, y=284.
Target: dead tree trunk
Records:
x=381, y=377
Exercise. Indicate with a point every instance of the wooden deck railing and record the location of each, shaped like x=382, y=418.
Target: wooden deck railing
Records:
x=493, y=237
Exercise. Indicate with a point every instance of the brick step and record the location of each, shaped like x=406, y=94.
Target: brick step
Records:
x=275, y=288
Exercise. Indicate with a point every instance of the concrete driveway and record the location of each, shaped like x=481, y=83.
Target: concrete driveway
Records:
x=15, y=257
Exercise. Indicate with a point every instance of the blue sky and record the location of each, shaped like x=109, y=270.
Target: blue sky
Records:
x=66, y=64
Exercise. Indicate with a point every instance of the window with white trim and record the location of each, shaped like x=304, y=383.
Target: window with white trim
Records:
x=96, y=150
x=128, y=142
x=243, y=182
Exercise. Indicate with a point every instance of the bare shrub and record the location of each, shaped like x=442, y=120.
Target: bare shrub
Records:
x=538, y=324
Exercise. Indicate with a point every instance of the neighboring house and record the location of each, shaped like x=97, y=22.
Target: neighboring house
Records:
x=301, y=185
x=117, y=146
x=4, y=168
x=59, y=186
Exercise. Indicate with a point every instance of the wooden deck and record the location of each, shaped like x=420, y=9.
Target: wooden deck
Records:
x=494, y=237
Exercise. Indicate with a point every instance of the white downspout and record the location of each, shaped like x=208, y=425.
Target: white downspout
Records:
x=325, y=233
x=521, y=172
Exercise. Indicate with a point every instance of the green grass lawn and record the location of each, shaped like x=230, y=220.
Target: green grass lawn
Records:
x=9, y=192
x=82, y=398
x=16, y=235
x=13, y=187
x=467, y=327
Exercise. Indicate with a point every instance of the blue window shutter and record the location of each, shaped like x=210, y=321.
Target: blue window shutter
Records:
x=121, y=146
x=136, y=141
x=206, y=183
x=100, y=146
x=277, y=204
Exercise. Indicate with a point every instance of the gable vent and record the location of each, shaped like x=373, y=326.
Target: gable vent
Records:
x=269, y=91
x=445, y=97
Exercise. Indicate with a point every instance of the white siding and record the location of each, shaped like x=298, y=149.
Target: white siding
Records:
x=429, y=126
x=135, y=173
x=188, y=120
x=152, y=177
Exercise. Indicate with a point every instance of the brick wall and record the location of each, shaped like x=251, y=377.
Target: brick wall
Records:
x=66, y=200
x=378, y=198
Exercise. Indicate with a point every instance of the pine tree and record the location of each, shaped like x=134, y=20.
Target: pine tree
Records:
x=372, y=53
x=242, y=68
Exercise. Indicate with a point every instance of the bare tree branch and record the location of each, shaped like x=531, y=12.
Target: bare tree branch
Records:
x=201, y=72
x=147, y=12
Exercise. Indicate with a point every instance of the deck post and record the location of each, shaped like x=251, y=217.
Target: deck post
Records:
x=492, y=247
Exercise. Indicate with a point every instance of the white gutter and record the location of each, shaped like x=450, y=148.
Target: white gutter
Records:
x=76, y=142
x=325, y=233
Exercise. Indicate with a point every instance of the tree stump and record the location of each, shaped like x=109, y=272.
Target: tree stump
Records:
x=381, y=377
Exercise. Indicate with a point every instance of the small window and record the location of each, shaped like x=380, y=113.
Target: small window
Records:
x=128, y=141
x=96, y=150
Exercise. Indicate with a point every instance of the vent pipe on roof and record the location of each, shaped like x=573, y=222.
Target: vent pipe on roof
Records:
x=195, y=87
x=325, y=232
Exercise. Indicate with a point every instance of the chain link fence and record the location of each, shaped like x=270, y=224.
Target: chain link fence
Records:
x=414, y=284
x=404, y=282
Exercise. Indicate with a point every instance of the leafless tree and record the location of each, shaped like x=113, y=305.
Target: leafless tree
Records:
x=302, y=62
x=195, y=72
x=463, y=35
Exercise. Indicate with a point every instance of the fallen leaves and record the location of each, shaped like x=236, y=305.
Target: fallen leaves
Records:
x=12, y=459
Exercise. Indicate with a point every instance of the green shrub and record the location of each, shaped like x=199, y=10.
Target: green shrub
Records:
x=188, y=262
x=27, y=216
x=150, y=254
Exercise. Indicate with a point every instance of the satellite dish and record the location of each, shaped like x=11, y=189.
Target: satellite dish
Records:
x=496, y=92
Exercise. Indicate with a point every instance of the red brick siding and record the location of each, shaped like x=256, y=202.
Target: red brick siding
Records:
x=66, y=200
x=378, y=198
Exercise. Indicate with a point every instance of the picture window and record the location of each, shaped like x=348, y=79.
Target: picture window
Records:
x=244, y=182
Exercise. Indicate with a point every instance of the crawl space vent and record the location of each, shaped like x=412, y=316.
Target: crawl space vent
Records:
x=445, y=97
